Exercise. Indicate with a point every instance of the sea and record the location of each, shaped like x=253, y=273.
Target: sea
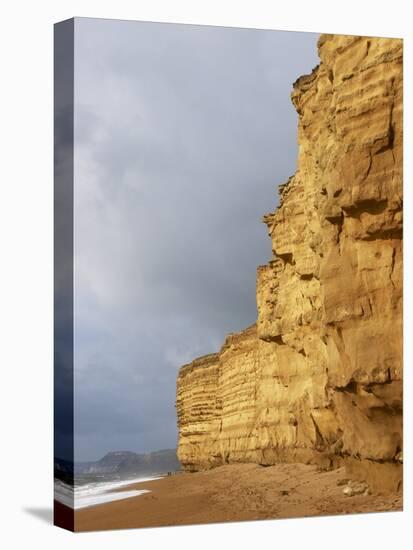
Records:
x=94, y=489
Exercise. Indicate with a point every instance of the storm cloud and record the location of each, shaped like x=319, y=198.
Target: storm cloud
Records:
x=182, y=134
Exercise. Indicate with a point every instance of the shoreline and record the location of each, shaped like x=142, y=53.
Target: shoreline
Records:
x=236, y=492
x=103, y=493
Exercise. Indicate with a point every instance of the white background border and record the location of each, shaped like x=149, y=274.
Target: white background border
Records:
x=26, y=299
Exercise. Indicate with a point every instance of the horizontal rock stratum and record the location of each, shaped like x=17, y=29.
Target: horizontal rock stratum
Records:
x=318, y=379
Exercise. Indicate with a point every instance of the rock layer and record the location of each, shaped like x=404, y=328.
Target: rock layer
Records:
x=319, y=377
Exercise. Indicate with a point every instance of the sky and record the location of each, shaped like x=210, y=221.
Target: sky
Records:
x=182, y=135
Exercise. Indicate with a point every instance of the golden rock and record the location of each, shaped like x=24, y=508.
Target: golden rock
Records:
x=318, y=379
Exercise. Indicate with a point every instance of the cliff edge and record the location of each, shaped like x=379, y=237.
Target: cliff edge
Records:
x=318, y=379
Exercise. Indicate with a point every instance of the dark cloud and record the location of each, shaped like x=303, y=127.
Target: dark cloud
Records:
x=63, y=240
x=182, y=135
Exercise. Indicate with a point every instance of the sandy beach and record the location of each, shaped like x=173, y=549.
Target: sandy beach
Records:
x=234, y=493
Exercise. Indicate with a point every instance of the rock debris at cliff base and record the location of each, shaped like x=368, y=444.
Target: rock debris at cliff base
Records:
x=318, y=378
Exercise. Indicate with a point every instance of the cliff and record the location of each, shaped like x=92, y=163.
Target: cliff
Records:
x=124, y=462
x=318, y=379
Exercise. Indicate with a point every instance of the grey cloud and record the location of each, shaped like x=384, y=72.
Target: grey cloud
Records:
x=182, y=135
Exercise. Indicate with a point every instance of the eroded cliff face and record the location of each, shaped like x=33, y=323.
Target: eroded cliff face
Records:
x=319, y=378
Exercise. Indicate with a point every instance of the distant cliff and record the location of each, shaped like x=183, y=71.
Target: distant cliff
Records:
x=127, y=462
x=319, y=377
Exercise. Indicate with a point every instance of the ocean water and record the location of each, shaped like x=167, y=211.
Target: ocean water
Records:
x=93, y=492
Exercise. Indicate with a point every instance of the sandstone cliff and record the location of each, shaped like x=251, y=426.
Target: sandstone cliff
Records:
x=319, y=377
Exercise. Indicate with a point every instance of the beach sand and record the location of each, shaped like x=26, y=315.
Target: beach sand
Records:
x=234, y=493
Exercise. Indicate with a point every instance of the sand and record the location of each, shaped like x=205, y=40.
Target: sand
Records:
x=234, y=493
